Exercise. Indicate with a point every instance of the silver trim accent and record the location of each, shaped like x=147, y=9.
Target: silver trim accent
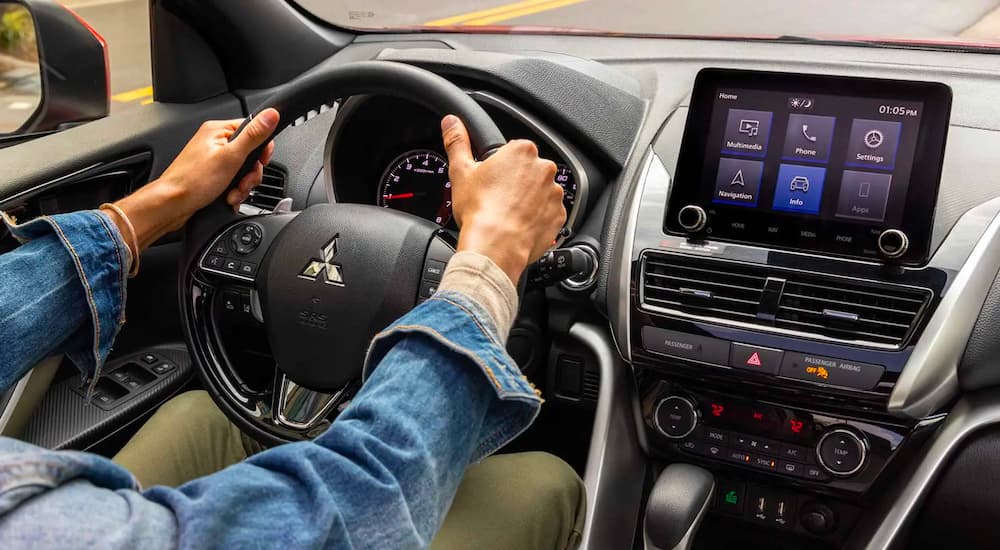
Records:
x=688, y=539
x=586, y=280
x=862, y=443
x=615, y=464
x=300, y=408
x=929, y=382
x=694, y=416
x=620, y=278
x=970, y=414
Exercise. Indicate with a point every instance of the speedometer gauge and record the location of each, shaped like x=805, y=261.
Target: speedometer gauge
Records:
x=417, y=182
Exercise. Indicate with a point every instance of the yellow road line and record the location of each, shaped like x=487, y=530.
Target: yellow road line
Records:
x=146, y=101
x=132, y=95
x=521, y=12
x=499, y=13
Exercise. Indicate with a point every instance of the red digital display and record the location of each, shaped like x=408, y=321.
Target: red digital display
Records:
x=718, y=409
x=796, y=425
x=760, y=420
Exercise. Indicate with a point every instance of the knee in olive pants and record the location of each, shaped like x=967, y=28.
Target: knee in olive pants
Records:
x=522, y=501
x=188, y=437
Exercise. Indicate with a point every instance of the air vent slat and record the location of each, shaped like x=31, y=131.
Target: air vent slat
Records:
x=811, y=305
x=271, y=190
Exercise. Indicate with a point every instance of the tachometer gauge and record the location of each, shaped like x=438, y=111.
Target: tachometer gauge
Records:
x=417, y=182
x=564, y=177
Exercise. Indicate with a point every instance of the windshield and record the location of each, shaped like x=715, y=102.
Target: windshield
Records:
x=947, y=22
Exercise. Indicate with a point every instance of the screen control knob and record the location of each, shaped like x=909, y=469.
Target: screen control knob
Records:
x=892, y=243
x=675, y=417
x=842, y=452
x=817, y=518
x=692, y=218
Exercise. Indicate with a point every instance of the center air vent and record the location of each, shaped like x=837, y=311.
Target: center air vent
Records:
x=778, y=300
x=271, y=189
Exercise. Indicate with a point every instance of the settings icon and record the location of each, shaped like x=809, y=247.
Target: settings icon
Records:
x=873, y=139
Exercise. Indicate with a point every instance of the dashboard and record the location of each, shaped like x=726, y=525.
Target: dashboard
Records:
x=388, y=152
x=812, y=366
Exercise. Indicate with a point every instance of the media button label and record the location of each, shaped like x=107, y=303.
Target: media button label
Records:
x=747, y=133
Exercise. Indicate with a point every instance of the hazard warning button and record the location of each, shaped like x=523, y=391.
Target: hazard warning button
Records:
x=755, y=358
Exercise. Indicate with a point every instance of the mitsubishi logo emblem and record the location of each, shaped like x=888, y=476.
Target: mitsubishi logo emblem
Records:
x=334, y=275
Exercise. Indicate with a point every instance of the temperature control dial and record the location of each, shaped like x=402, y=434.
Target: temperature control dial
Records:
x=842, y=452
x=675, y=417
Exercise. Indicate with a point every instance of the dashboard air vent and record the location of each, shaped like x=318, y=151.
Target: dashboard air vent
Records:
x=780, y=300
x=702, y=287
x=271, y=189
x=850, y=311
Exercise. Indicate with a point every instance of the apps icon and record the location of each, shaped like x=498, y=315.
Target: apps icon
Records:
x=873, y=143
x=863, y=195
x=799, y=188
x=747, y=133
x=808, y=138
x=738, y=182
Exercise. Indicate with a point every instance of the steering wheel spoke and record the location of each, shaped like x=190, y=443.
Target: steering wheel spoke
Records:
x=301, y=409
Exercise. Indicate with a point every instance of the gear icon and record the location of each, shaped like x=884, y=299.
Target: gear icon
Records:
x=873, y=139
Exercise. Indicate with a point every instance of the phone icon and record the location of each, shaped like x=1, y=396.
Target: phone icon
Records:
x=805, y=133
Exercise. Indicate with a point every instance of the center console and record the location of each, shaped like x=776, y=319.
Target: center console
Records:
x=779, y=287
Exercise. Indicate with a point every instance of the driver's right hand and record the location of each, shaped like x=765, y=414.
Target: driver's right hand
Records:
x=509, y=207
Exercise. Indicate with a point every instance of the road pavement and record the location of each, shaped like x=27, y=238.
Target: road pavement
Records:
x=125, y=26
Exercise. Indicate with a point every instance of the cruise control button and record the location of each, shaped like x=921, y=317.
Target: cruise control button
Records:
x=428, y=288
x=832, y=371
x=686, y=346
x=434, y=270
x=755, y=358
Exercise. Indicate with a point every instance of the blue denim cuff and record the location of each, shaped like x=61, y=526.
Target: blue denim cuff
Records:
x=100, y=256
x=462, y=327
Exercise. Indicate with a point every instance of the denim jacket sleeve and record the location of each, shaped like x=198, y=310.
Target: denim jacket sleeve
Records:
x=61, y=292
x=444, y=394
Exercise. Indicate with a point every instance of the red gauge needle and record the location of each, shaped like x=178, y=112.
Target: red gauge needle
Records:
x=399, y=196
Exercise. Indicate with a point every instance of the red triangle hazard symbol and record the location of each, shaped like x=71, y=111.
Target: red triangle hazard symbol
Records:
x=754, y=360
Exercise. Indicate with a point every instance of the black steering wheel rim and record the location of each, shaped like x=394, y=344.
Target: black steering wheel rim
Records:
x=295, y=101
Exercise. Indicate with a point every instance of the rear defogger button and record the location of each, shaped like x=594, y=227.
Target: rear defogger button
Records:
x=832, y=371
x=686, y=346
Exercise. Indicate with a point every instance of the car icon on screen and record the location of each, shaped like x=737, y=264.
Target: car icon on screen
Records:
x=799, y=183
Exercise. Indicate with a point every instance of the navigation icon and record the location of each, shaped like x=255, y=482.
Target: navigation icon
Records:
x=738, y=179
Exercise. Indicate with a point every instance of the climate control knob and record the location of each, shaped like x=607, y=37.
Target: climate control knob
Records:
x=842, y=452
x=675, y=417
x=892, y=243
x=692, y=218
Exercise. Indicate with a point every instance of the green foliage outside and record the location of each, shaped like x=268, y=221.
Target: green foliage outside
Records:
x=17, y=33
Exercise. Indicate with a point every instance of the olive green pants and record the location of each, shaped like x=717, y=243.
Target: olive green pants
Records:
x=518, y=501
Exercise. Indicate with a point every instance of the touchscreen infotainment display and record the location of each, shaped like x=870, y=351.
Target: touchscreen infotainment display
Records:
x=812, y=162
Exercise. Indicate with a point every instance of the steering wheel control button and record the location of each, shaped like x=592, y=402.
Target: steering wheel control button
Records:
x=428, y=288
x=675, y=417
x=434, y=270
x=247, y=268
x=757, y=359
x=692, y=218
x=686, y=346
x=841, y=452
x=220, y=248
x=246, y=238
x=893, y=243
x=831, y=371
x=232, y=266
x=215, y=261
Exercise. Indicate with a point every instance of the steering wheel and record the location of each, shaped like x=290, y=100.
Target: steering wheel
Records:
x=322, y=281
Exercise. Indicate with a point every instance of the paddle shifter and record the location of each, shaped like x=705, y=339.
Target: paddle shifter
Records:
x=679, y=501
